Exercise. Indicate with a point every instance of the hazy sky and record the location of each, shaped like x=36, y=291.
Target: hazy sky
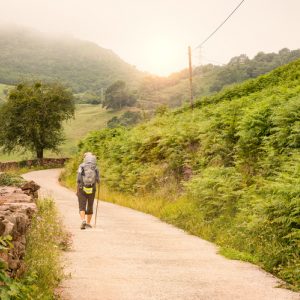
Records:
x=153, y=35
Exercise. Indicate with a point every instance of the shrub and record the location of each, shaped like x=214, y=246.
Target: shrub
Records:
x=227, y=170
x=10, y=179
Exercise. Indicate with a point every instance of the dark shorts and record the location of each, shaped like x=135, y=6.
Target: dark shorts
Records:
x=86, y=201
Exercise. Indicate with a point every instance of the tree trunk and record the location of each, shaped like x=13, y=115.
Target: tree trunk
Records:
x=40, y=155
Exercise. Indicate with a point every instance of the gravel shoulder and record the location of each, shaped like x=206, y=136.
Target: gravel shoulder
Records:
x=134, y=256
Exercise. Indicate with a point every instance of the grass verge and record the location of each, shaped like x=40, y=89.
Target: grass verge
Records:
x=46, y=239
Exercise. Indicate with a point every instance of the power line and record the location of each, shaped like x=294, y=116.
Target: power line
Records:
x=199, y=57
x=200, y=45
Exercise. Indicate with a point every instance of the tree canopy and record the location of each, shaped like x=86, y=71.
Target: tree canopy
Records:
x=129, y=118
x=32, y=117
x=118, y=95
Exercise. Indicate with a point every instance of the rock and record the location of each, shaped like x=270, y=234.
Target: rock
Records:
x=30, y=188
x=8, y=227
x=9, y=194
x=17, y=208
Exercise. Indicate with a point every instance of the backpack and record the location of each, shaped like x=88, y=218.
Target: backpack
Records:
x=89, y=170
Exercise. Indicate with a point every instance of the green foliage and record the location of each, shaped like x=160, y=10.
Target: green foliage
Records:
x=128, y=118
x=87, y=118
x=276, y=83
x=241, y=67
x=3, y=92
x=5, y=242
x=45, y=241
x=11, y=179
x=33, y=117
x=228, y=171
x=117, y=96
x=88, y=98
x=12, y=289
x=216, y=191
x=43, y=266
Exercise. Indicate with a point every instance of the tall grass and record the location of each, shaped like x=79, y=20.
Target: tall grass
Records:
x=45, y=241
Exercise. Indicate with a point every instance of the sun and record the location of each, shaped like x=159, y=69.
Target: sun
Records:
x=163, y=56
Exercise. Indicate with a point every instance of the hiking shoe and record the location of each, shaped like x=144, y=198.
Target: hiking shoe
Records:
x=88, y=225
x=83, y=224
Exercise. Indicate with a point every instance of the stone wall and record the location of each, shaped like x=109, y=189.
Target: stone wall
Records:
x=46, y=162
x=17, y=206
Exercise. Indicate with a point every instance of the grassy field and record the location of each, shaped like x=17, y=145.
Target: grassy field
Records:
x=87, y=118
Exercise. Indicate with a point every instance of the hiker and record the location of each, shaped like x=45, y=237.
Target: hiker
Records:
x=87, y=177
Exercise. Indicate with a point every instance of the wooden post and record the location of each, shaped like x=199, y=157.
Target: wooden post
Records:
x=191, y=76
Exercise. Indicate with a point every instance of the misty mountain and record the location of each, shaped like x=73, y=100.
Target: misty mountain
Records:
x=28, y=54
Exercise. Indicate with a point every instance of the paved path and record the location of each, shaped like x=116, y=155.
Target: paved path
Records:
x=134, y=256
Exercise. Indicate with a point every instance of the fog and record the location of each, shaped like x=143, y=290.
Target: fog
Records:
x=154, y=35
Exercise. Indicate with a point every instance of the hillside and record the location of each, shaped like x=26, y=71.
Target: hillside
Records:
x=227, y=171
x=88, y=68
x=82, y=65
x=208, y=79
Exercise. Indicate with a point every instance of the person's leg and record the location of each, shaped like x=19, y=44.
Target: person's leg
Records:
x=88, y=219
x=89, y=211
x=82, y=200
x=82, y=215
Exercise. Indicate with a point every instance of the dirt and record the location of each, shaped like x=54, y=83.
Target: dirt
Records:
x=134, y=256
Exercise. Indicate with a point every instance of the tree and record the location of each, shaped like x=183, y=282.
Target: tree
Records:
x=32, y=117
x=117, y=96
x=127, y=119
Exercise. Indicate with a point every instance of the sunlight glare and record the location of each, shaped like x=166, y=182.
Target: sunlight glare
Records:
x=163, y=56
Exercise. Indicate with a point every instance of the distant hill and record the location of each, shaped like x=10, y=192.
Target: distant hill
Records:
x=88, y=68
x=208, y=79
x=83, y=65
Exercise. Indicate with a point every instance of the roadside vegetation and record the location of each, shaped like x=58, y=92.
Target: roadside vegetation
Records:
x=228, y=171
x=44, y=269
x=45, y=240
x=11, y=179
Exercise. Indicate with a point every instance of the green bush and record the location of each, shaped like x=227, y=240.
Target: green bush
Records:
x=227, y=171
x=216, y=192
x=10, y=179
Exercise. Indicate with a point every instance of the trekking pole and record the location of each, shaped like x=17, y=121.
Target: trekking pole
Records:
x=98, y=196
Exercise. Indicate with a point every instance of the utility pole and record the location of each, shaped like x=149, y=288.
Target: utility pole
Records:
x=102, y=96
x=191, y=76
